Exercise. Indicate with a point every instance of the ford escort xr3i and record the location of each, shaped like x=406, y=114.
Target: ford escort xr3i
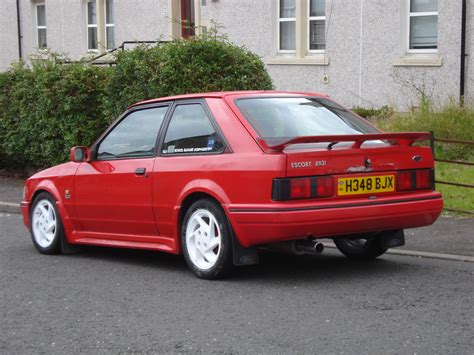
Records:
x=219, y=176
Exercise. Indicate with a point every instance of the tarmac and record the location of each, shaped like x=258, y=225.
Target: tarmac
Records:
x=449, y=238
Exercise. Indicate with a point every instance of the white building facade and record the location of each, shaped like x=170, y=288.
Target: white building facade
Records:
x=365, y=53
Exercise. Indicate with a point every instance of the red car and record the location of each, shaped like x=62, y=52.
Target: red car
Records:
x=218, y=176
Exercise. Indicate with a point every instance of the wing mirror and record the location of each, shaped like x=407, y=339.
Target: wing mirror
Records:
x=80, y=154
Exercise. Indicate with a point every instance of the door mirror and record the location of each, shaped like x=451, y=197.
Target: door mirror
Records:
x=80, y=154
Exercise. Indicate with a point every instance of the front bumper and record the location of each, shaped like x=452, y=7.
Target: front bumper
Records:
x=263, y=224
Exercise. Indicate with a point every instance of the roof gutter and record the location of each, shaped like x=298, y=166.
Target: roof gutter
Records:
x=462, y=83
x=18, y=23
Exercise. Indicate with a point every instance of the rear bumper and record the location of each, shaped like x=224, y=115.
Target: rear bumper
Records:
x=262, y=224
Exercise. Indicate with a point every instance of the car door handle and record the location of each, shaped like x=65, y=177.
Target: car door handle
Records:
x=140, y=171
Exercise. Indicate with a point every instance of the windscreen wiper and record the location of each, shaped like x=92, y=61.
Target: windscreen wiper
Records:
x=332, y=144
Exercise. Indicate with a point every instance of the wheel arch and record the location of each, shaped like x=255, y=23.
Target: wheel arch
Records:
x=241, y=256
x=181, y=210
x=45, y=186
x=50, y=188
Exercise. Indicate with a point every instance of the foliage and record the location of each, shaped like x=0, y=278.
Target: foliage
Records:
x=372, y=113
x=182, y=67
x=461, y=198
x=48, y=107
x=451, y=122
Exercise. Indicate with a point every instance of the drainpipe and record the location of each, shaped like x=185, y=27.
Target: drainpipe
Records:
x=18, y=23
x=463, y=52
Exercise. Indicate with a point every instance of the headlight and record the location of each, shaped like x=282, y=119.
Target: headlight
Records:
x=24, y=193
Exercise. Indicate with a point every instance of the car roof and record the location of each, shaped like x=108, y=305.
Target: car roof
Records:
x=223, y=94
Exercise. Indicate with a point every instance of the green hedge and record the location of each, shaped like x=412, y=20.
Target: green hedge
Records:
x=48, y=108
x=181, y=67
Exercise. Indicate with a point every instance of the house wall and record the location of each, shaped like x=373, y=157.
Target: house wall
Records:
x=9, y=33
x=141, y=20
x=470, y=58
x=365, y=39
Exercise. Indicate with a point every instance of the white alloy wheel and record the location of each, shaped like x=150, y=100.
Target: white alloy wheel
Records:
x=203, y=239
x=44, y=223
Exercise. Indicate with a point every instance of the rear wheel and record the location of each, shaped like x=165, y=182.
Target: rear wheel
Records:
x=206, y=240
x=360, y=247
x=45, y=225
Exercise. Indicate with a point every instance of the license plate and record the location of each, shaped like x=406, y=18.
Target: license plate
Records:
x=365, y=185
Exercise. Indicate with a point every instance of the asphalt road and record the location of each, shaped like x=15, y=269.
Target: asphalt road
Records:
x=121, y=301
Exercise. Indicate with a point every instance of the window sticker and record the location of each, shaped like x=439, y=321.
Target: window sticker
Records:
x=171, y=149
x=210, y=143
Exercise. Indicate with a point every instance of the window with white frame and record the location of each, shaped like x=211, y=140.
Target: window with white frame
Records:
x=301, y=26
x=317, y=25
x=109, y=24
x=92, y=43
x=41, y=26
x=287, y=26
x=423, y=25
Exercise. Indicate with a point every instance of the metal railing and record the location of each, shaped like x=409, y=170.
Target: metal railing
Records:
x=122, y=47
x=449, y=161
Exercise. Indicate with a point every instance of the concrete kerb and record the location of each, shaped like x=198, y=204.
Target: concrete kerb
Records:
x=9, y=207
x=420, y=254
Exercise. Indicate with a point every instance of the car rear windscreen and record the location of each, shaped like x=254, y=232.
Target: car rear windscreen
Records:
x=287, y=117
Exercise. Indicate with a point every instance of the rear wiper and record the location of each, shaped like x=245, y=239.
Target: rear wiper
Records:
x=332, y=144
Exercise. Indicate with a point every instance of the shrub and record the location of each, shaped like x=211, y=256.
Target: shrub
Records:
x=182, y=67
x=48, y=108
x=373, y=113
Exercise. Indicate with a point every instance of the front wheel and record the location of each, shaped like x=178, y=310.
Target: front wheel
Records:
x=360, y=247
x=206, y=240
x=46, y=227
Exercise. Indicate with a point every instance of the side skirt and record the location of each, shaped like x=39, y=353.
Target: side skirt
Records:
x=126, y=241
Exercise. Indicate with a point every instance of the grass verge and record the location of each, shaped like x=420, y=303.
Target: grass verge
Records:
x=461, y=198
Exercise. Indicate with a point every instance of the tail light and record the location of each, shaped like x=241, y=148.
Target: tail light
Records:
x=302, y=188
x=410, y=180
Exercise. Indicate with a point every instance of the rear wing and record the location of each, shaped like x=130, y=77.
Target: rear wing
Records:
x=273, y=145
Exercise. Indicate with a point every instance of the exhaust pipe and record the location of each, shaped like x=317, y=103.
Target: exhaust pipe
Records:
x=298, y=247
x=308, y=246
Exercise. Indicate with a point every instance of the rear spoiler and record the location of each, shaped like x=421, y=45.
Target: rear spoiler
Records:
x=402, y=139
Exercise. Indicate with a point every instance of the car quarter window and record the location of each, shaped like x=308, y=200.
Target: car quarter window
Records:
x=135, y=136
x=190, y=131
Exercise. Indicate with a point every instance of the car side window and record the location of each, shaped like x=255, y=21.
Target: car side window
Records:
x=134, y=137
x=190, y=131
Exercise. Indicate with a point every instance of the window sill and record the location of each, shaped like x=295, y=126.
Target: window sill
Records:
x=418, y=60
x=316, y=59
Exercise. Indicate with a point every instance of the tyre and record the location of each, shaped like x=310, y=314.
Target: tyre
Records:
x=45, y=225
x=206, y=240
x=360, y=246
